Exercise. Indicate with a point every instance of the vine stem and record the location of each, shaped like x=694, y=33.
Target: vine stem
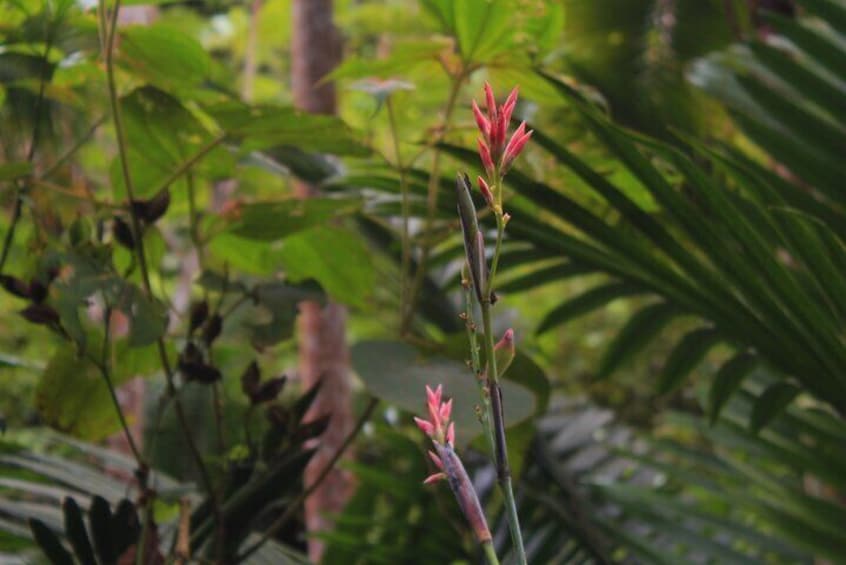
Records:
x=280, y=522
x=142, y=261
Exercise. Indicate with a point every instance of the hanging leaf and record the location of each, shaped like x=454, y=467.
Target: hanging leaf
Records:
x=686, y=355
x=71, y=396
x=635, y=335
x=728, y=381
x=772, y=402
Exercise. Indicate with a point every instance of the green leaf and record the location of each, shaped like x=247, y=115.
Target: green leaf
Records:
x=49, y=543
x=76, y=532
x=12, y=171
x=266, y=126
x=161, y=136
x=398, y=373
x=72, y=397
x=635, y=335
x=164, y=55
x=772, y=402
x=587, y=302
x=269, y=221
x=728, y=381
x=685, y=356
x=335, y=257
x=280, y=301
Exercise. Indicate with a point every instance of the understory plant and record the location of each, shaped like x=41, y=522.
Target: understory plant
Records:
x=489, y=360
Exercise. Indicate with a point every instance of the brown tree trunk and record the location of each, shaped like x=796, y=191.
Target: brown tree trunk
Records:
x=322, y=330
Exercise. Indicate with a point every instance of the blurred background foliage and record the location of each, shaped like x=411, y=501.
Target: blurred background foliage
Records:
x=673, y=272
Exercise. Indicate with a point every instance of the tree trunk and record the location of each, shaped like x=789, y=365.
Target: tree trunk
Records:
x=322, y=330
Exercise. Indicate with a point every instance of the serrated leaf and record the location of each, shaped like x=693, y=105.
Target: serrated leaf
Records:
x=164, y=56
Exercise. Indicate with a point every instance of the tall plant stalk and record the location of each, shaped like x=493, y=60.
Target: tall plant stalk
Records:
x=496, y=156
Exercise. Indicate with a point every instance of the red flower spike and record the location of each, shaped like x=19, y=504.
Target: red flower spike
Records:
x=435, y=478
x=450, y=436
x=496, y=155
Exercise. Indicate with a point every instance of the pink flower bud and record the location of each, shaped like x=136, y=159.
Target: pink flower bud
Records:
x=485, y=155
x=508, y=107
x=486, y=191
x=481, y=121
x=436, y=460
x=490, y=101
x=435, y=478
x=446, y=410
x=515, y=145
x=450, y=436
x=505, y=351
x=424, y=426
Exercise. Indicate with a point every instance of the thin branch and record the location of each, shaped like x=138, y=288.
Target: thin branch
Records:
x=280, y=522
x=142, y=261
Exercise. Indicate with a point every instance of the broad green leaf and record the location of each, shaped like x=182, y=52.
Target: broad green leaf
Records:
x=269, y=221
x=772, y=402
x=398, y=373
x=267, y=126
x=686, y=355
x=164, y=55
x=72, y=397
x=162, y=135
x=335, y=257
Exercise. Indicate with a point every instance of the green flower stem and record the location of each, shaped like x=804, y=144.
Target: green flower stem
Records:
x=495, y=410
x=490, y=552
x=476, y=363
